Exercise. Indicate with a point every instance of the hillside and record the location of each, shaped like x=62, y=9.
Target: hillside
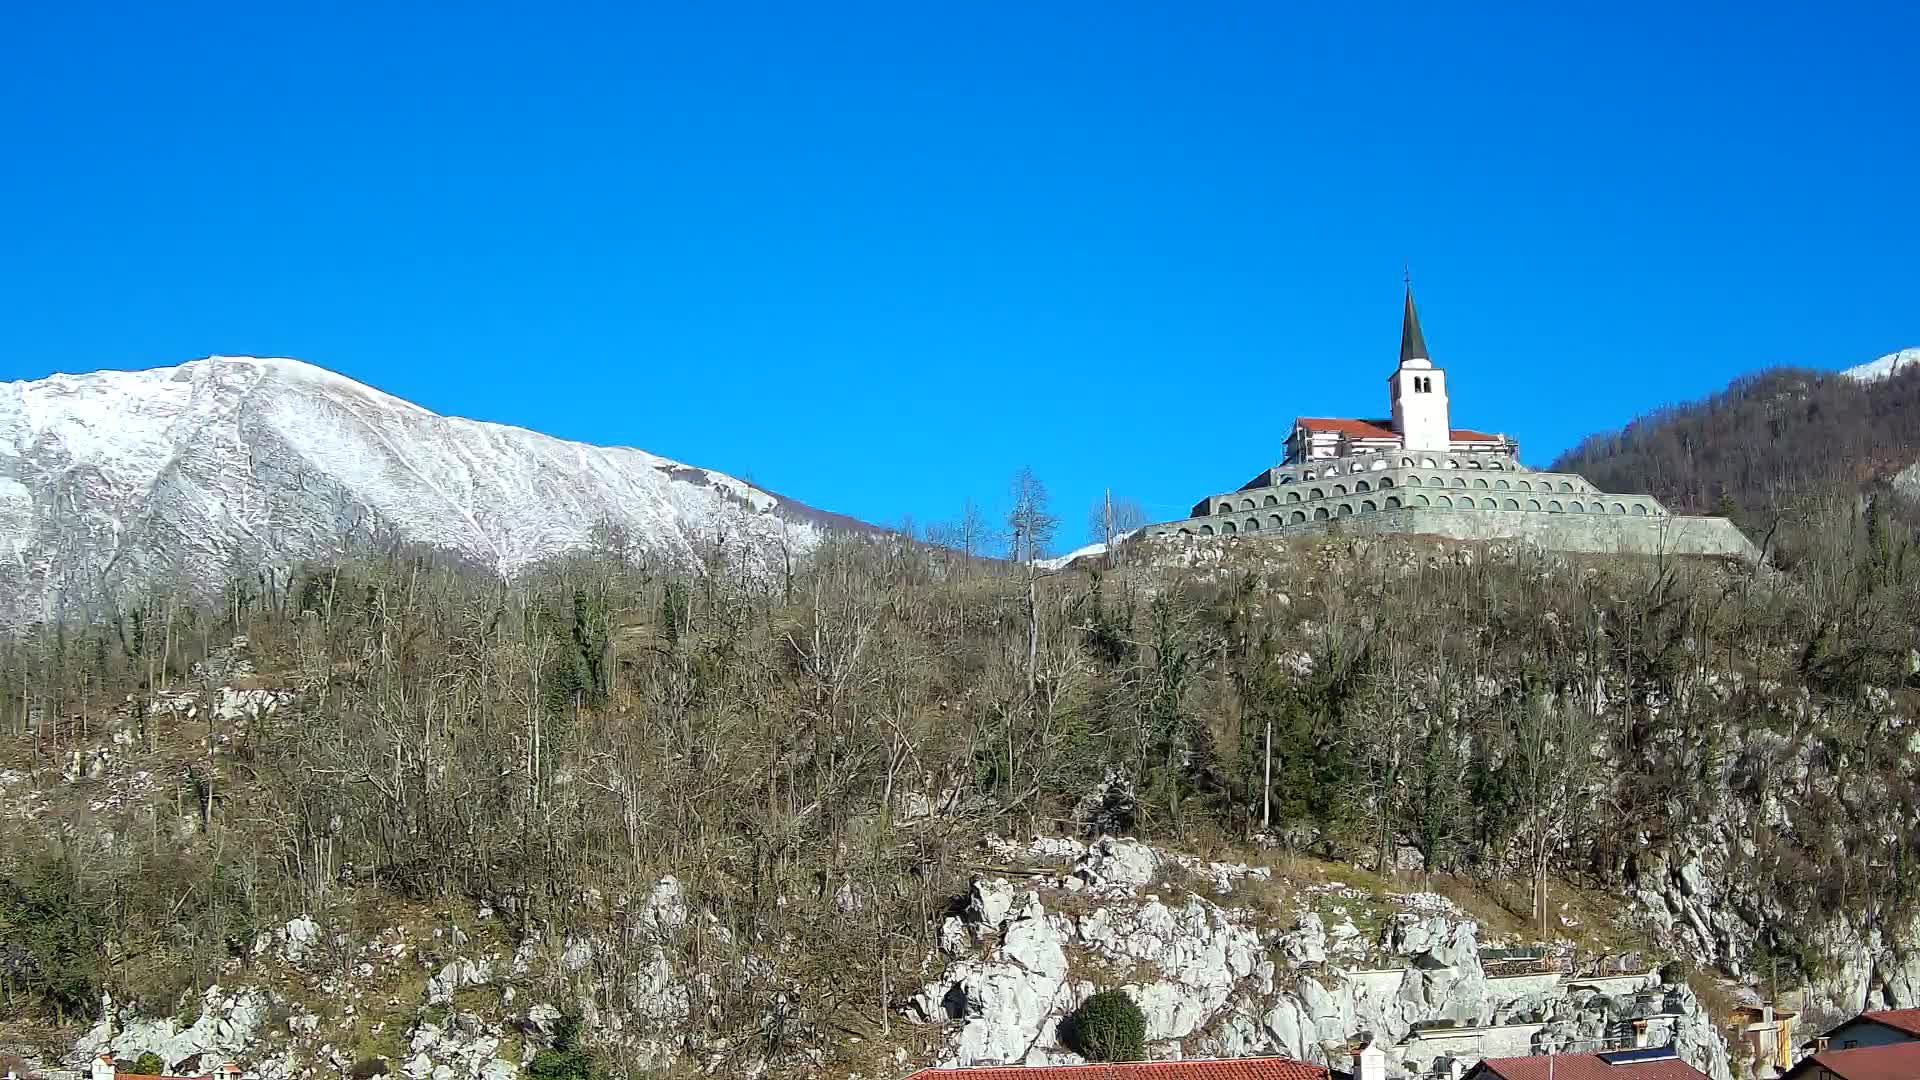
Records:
x=400, y=816
x=1767, y=444
x=116, y=484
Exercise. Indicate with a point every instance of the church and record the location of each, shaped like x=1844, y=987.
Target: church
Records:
x=1413, y=472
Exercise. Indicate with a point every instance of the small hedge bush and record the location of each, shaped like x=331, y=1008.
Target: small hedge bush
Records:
x=1109, y=1027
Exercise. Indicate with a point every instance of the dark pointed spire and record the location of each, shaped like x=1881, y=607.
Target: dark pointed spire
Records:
x=1413, y=345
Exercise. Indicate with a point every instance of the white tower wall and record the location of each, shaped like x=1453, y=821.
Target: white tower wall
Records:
x=1420, y=413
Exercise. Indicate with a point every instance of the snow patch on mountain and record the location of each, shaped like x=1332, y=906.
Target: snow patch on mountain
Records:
x=1886, y=366
x=117, y=482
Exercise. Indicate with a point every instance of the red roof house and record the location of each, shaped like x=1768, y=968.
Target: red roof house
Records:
x=1892, y=1061
x=1623, y=1066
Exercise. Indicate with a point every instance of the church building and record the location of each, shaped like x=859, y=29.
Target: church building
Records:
x=1413, y=472
x=1420, y=420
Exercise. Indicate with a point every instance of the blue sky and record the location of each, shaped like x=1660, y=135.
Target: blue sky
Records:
x=876, y=257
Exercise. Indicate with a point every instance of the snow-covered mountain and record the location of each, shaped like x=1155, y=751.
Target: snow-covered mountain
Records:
x=118, y=481
x=1885, y=366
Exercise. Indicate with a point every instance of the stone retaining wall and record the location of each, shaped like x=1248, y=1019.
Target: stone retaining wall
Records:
x=1604, y=534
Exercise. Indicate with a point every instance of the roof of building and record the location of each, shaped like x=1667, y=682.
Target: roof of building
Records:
x=1587, y=1067
x=1413, y=344
x=1894, y=1061
x=1359, y=429
x=1907, y=1020
x=1267, y=1068
x=1379, y=429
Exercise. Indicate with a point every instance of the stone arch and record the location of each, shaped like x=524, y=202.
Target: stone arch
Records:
x=1316, y=493
x=1524, y=485
x=1188, y=533
x=1577, y=507
x=1453, y=463
x=1246, y=504
x=1473, y=463
x=1564, y=486
x=1206, y=530
x=1501, y=484
x=1253, y=525
x=1554, y=507
x=1619, y=508
x=1489, y=504
x=1293, y=496
x=1320, y=513
x=1429, y=463
x=1480, y=482
x=1386, y=482
x=1509, y=504
x=1439, y=481
x=1422, y=500
x=1367, y=506
x=1227, y=528
x=1298, y=517
x=1274, y=520
x=1271, y=500
x=1459, y=481
x=1225, y=508
x=1393, y=502
x=1495, y=465
x=1443, y=500
x=1378, y=464
x=1406, y=463
x=1415, y=481
x=1640, y=509
x=1361, y=487
x=1339, y=489
x=1533, y=504
x=1346, y=509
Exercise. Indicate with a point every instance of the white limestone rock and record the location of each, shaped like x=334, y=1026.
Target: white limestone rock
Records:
x=1115, y=866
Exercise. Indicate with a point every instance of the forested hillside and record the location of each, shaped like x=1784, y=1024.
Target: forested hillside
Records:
x=813, y=757
x=1759, y=449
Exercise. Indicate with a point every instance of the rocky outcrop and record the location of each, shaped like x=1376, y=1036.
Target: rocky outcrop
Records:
x=1216, y=978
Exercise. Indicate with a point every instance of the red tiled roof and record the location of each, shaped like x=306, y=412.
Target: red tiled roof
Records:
x=1894, y=1061
x=1359, y=429
x=1588, y=1067
x=1270, y=1068
x=1907, y=1020
x=1379, y=429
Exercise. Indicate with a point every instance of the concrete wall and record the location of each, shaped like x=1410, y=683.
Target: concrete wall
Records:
x=1604, y=534
x=1505, y=1040
x=1505, y=988
x=1622, y=985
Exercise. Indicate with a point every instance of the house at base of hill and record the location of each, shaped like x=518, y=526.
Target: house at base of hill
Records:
x=1879, y=1028
x=1885, y=1061
x=1649, y=1063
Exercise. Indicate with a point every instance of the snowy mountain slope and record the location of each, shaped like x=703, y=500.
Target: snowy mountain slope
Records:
x=1885, y=366
x=117, y=481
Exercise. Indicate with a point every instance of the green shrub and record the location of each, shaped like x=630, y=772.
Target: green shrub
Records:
x=149, y=1064
x=564, y=1060
x=1109, y=1027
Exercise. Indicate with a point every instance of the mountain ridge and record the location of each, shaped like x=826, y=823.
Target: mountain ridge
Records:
x=113, y=482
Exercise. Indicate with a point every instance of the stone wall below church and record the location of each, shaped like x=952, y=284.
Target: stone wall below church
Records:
x=1591, y=533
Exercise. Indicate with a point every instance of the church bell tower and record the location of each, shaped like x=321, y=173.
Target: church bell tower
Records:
x=1419, y=391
